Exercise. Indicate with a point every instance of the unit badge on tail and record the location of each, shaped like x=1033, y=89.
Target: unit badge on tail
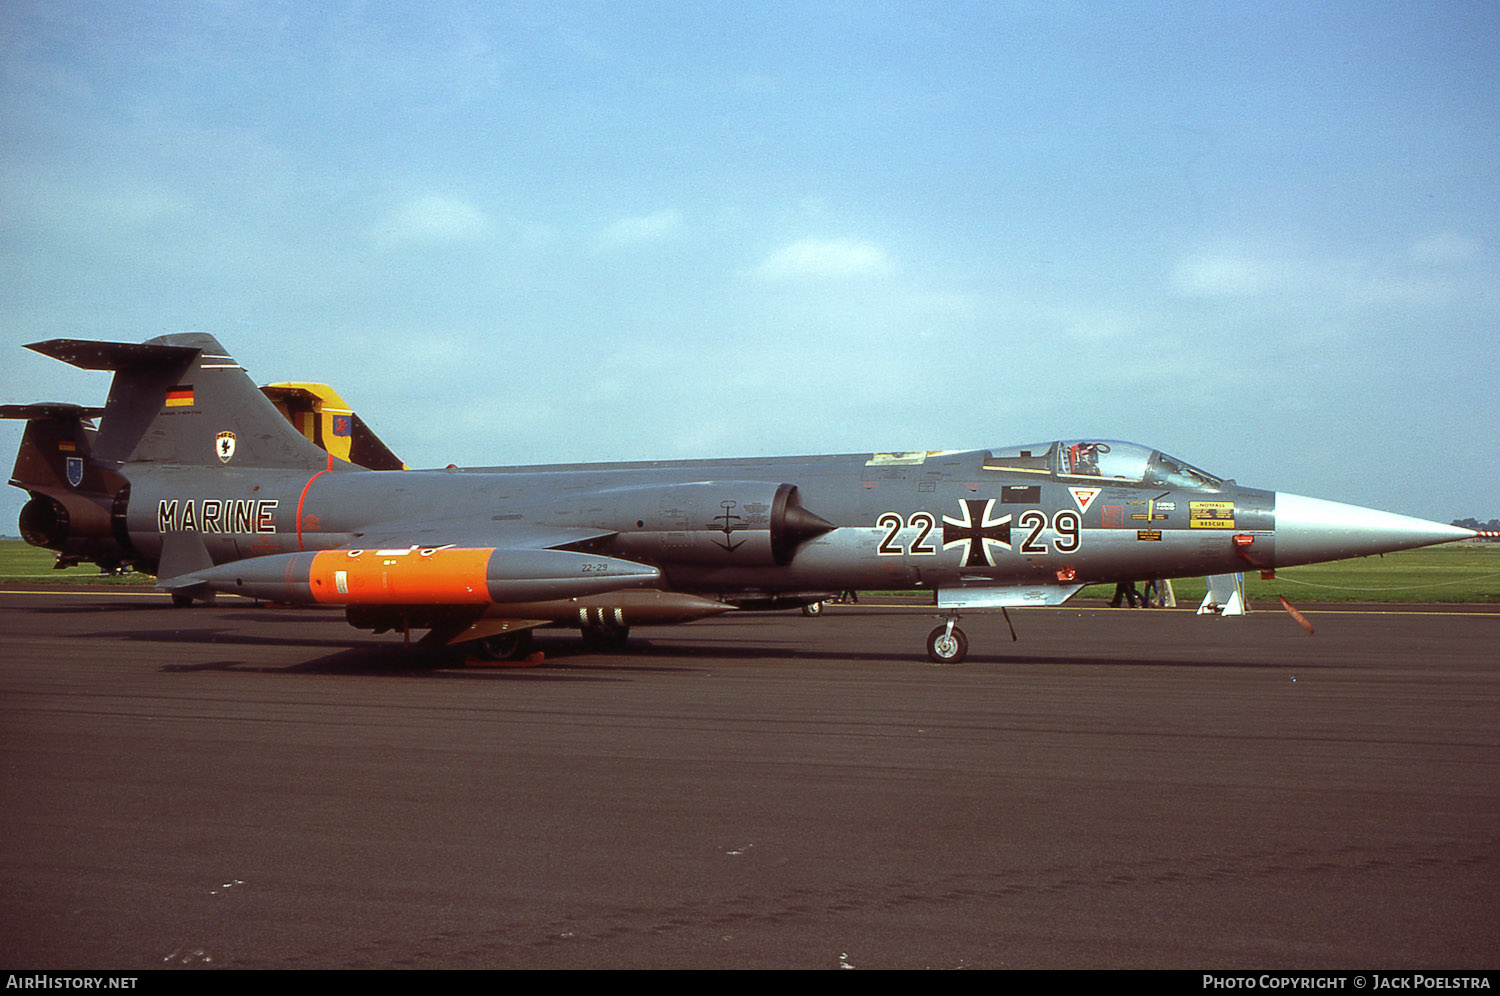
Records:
x=224, y=446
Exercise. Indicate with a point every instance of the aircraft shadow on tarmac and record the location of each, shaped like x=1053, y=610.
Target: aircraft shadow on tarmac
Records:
x=90, y=607
x=213, y=636
x=561, y=661
x=362, y=663
x=571, y=660
x=568, y=658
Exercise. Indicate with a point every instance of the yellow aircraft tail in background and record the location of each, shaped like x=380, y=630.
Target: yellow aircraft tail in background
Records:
x=327, y=420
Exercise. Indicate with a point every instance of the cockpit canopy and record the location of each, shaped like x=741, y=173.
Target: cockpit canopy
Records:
x=1106, y=459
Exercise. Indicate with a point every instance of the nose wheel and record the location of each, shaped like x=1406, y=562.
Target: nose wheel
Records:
x=947, y=644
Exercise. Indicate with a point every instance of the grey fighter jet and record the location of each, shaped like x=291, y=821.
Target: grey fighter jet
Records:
x=193, y=475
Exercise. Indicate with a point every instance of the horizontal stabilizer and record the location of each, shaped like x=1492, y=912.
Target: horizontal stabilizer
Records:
x=89, y=355
x=59, y=411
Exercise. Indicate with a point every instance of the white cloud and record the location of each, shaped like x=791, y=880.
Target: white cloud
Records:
x=144, y=207
x=1375, y=279
x=825, y=259
x=1221, y=275
x=1447, y=247
x=656, y=227
x=1100, y=325
x=434, y=218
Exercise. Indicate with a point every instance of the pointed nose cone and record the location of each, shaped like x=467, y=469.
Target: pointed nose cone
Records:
x=1309, y=530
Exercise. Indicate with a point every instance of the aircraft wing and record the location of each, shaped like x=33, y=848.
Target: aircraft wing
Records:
x=469, y=533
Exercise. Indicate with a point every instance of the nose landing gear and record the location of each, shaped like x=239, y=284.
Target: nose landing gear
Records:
x=947, y=644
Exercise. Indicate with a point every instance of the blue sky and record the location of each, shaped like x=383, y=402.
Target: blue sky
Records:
x=1260, y=236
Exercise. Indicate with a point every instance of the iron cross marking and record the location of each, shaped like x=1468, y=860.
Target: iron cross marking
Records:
x=976, y=531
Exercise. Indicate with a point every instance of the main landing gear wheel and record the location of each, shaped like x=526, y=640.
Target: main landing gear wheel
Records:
x=812, y=609
x=504, y=646
x=947, y=645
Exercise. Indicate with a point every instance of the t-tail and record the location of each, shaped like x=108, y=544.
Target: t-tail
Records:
x=177, y=400
x=182, y=400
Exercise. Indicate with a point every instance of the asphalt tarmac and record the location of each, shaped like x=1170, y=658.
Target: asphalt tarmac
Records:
x=249, y=787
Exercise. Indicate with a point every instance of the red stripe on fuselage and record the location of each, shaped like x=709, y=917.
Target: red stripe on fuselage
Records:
x=303, y=497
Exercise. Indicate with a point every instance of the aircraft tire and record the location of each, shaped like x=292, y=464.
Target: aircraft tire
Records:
x=812, y=609
x=504, y=646
x=946, y=649
x=605, y=639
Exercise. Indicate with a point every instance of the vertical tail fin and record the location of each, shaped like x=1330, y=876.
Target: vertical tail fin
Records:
x=55, y=447
x=181, y=399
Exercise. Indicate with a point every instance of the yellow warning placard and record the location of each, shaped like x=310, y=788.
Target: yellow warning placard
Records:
x=1211, y=514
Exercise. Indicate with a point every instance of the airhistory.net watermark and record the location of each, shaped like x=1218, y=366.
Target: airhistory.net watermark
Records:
x=54, y=980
